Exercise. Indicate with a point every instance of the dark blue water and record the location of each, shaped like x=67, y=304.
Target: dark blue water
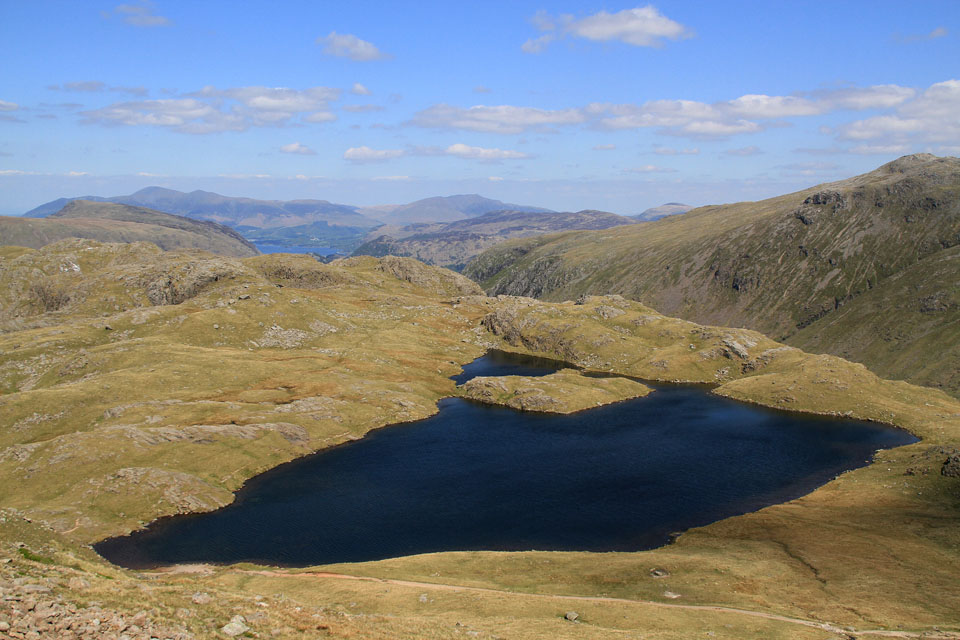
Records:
x=283, y=248
x=506, y=363
x=615, y=478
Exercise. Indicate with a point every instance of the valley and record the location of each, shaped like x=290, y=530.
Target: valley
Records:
x=236, y=375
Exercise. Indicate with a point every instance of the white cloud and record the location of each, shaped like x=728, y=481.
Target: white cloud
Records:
x=536, y=45
x=391, y=178
x=366, y=154
x=884, y=96
x=604, y=147
x=8, y=106
x=496, y=119
x=346, y=45
x=763, y=106
x=360, y=90
x=495, y=179
x=76, y=174
x=650, y=168
x=931, y=117
x=743, y=151
x=142, y=15
x=213, y=110
x=640, y=27
x=297, y=148
x=479, y=153
x=669, y=151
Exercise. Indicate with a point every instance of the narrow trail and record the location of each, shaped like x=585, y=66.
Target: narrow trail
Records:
x=826, y=626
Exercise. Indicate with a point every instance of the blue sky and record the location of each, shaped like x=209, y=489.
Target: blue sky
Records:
x=567, y=105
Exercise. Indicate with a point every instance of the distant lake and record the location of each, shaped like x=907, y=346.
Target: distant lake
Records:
x=278, y=248
x=477, y=477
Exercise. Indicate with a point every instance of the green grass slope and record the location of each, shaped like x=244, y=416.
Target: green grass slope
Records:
x=158, y=382
x=777, y=266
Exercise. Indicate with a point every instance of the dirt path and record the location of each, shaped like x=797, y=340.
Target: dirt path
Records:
x=826, y=626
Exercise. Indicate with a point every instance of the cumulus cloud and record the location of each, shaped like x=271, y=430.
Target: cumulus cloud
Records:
x=213, y=110
x=345, y=45
x=640, y=27
x=749, y=113
x=8, y=106
x=142, y=14
x=495, y=119
x=366, y=154
x=297, y=148
x=360, y=90
x=931, y=117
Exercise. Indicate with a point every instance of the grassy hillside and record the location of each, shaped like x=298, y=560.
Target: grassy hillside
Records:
x=778, y=266
x=454, y=244
x=110, y=222
x=160, y=381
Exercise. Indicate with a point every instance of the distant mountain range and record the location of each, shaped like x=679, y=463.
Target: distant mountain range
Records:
x=113, y=222
x=664, y=210
x=298, y=222
x=867, y=268
x=205, y=205
x=454, y=244
x=442, y=209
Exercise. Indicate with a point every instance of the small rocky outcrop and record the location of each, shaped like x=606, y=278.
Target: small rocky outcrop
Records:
x=951, y=466
x=443, y=281
x=565, y=391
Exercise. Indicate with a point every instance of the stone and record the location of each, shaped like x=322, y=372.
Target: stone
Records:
x=951, y=466
x=235, y=627
x=659, y=573
x=78, y=584
x=572, y=616
x=201, y=598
